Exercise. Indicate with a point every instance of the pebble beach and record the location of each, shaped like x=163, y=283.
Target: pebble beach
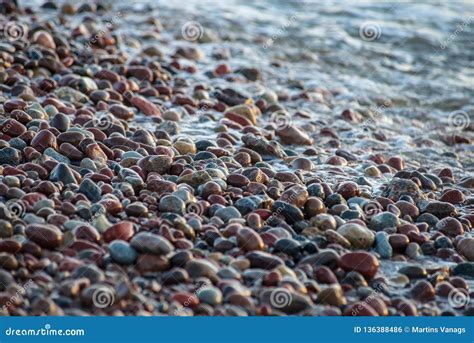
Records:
x=267, y=159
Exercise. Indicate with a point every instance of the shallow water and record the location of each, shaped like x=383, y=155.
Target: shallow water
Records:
x=417, y=61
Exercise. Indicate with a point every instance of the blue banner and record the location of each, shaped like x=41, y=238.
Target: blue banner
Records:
x=246, y=330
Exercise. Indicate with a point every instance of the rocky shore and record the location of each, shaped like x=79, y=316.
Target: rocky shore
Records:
x=144, y=177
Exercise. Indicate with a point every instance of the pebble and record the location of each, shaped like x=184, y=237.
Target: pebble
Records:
x=171, y=203
x=423, y=291
x=450, y=227
x=361, y=262
x=383, y=221
x=148, y=243
x=90, y=190
x=332, y=295
x=357, y=235
x=291, y=213
x=10, y=156
x=249, y=240
x=46, y=236
x=210, y=295
x=122, y=230
x=62, y=173
x=121, y=252
x=201, y=268
x=228, y=213
x=465, y=247
x=440, y=209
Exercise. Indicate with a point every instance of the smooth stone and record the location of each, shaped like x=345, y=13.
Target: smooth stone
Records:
x=413, y=250
x=10, y=156
x=122, y=230
x=159, y=164
x=249, y=240
x=263, y=260
x=210, y=295
x=61, y=122
x=46, y=236
x=398, y=187
x=357, y=235
x=136, y=209
x=56, y=155
x=325, y=257
x=44, y=139
x=89, y=271
x=148, y=243
x=90, y=190
x=228, y=213
x=464, y=269
x=382, y=245
x=121, y=252
x=423, y=291
x=303, y=164
x=384, y=220
x=453, y=196
x=195, y=179
x=414, y=272
x=450, y=227
x=314, y=206
x=332, y=295
x=62, y=173
x=171, y=203
x=440, y=209
x=290, y=134
x=407, y=208
x=287, y=245
x=287, y=301
x=290, y=212
x=362, y=262
x=398, y=241
x=324, y=222
x=316, y=190
x=466, y=248
x=201, y=268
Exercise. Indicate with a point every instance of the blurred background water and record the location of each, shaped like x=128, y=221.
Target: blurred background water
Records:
x=420, y=58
